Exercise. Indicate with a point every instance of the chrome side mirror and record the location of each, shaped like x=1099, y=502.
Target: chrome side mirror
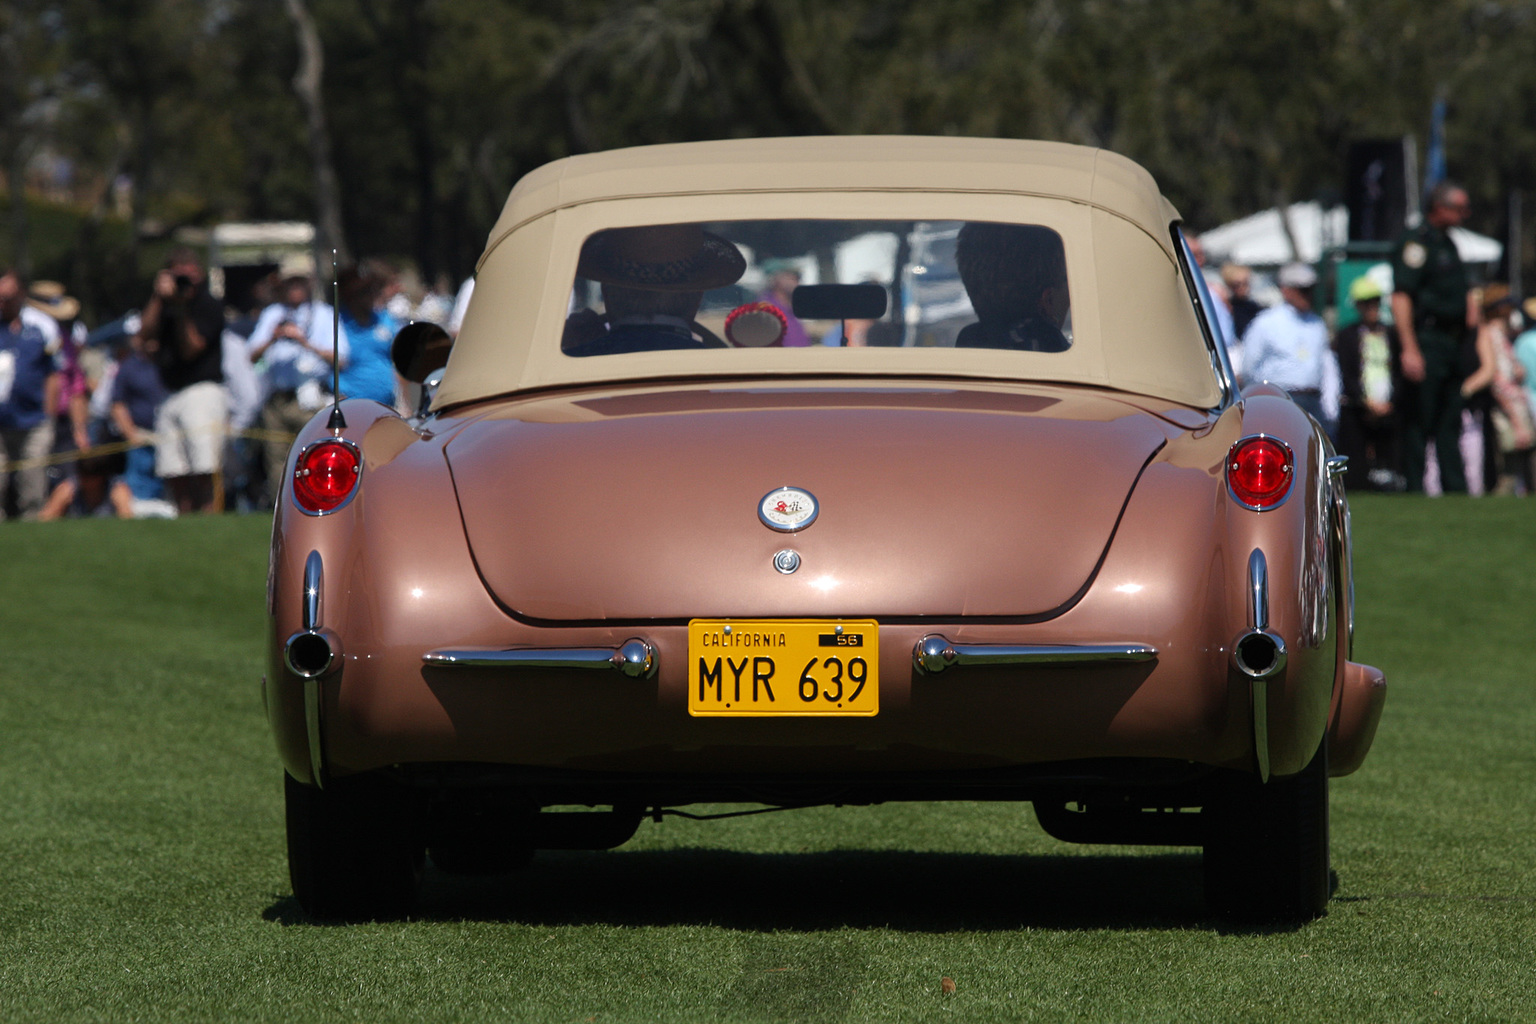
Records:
x=420, y=351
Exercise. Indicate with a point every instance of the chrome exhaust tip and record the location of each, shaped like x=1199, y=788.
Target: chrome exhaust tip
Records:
x=311, y=653
x=1259, y=654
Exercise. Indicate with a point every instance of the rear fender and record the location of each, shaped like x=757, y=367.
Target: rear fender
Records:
x=393, y=450
x=1291, y=709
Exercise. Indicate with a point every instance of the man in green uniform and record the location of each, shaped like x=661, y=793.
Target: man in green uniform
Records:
x=1434, y=308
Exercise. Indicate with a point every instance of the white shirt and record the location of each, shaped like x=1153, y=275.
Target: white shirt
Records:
x=1288, y=348
x=33, y=317
x=287, y=365
x=241, y=382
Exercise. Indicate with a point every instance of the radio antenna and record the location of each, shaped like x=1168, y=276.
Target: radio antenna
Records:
x=337, y=422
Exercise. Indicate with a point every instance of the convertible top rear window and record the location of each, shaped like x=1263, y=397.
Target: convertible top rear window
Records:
x=800, y=283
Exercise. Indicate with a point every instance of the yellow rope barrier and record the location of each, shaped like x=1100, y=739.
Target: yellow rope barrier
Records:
x=115, y=447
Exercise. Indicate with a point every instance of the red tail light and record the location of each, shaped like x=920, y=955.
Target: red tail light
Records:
x=326, y=474
x=1259, y=471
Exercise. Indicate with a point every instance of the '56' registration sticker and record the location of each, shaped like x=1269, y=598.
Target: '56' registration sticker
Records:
x=781, y=667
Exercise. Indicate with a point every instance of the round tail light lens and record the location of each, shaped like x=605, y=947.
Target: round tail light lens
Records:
x=1259, y=471
x=326, y=474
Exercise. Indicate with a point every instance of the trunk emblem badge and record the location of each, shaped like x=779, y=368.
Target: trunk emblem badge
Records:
x=787, y=509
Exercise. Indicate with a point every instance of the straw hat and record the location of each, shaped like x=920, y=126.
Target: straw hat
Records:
x=1496, y=295
x=664, y=258
x=50, y=298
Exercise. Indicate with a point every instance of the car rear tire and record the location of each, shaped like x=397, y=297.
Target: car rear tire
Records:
x=354, y=848
x=1266, y=848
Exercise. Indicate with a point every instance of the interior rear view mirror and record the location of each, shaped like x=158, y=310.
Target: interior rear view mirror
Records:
x=840, y=301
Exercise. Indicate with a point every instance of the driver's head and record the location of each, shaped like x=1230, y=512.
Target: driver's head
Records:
x=621, y=302
x=1013, y=272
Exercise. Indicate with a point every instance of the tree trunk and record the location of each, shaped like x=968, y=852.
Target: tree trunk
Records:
x=21, y=234
x=306, y=83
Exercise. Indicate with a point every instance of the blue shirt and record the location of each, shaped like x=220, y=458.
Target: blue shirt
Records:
x=369, y=373
x=138, y=386
x=1525, y=351
x=27, y=360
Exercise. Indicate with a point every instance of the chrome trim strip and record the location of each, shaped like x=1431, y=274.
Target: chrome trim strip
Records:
x=1346, y=556
x=1226, y=474
x=314, y=576
x=1258, y=626
x=1258, y=590
x=350, y=495
x=634, y=658
x=1337, y=465
x=934, y=653
x=314, y=579
x=1200, y=298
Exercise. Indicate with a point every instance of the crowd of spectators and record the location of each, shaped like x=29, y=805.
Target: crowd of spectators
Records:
x=186, y=404
x=1452, y=418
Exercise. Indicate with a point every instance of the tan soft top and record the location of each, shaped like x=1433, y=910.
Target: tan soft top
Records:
x=1134, y=326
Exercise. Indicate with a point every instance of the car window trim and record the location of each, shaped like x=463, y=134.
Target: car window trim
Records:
x=1200, y=295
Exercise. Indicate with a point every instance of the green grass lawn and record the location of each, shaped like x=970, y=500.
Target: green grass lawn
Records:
x=145, y=878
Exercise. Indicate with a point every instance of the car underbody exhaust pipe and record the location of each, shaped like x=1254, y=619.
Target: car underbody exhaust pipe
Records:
x=311, y=653
x=1259, y=654
x=313, y=650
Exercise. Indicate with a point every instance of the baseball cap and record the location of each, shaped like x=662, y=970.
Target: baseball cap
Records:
x=1364, y=289
x=1297, y=275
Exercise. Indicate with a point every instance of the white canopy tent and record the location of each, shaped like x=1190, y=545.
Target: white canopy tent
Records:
x=1260, y=240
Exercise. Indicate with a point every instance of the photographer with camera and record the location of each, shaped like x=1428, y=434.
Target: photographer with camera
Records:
x=182, y=325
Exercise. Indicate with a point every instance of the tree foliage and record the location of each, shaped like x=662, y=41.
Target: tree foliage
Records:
x=435, y=107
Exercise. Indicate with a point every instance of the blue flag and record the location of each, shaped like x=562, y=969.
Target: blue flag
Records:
x=1434, y=158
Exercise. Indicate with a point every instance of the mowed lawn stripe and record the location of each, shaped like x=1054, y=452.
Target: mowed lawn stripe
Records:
x=146, y=879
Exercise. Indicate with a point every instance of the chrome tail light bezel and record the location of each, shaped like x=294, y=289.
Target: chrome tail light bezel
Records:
x=1231, y=466
x=298, y=468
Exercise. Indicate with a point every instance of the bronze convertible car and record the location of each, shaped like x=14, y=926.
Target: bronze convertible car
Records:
x=815, y=471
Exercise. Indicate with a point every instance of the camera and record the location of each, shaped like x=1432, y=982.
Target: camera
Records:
x=184, y=283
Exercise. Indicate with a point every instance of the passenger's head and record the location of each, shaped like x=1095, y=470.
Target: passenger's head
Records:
x=1013, y=272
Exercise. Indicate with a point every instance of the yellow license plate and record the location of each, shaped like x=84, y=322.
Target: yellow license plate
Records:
x=761, y=667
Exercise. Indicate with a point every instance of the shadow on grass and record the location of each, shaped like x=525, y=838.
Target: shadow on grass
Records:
x=910, y=891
